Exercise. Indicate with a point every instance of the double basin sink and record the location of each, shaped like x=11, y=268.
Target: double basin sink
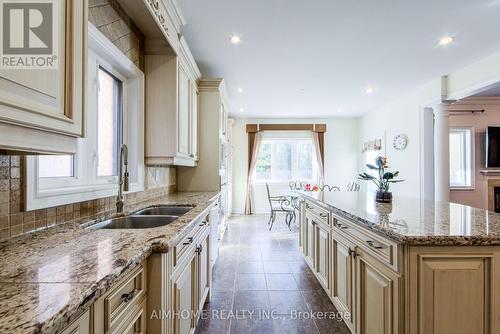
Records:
x=145, y=218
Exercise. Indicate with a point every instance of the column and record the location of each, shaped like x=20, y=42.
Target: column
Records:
x=441, y=153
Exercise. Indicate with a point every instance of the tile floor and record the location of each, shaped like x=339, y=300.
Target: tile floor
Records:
x=261, y=283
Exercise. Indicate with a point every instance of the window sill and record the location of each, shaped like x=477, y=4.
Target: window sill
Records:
x=462, y=188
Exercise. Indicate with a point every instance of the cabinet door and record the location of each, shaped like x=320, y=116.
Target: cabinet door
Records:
x=310, y=244
x=203, y=280
x=50, y=100
x=453, y=293
x=193, y=122
x=342, y=278
x=183, y=113
x=302, y=226
x=322, y=256
x=184, y=297
x=376, y=297
x=223, y=120
x=80, y=326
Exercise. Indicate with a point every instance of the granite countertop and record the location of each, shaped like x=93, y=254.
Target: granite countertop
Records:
x=49, y=277
x=413, y=221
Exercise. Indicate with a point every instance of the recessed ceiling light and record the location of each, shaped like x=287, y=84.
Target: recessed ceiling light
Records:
x=369, y=90
x=242, y=110
x=235, y=39
x=240, y=90
x=446, y=40
x=339, y=110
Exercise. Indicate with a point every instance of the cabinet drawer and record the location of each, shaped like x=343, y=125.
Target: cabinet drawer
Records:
x=125, y=297
x=318, y=211
x=189, y=239
x=377, y=246
x=135, y=323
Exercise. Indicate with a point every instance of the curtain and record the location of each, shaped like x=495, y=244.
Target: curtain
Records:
x=318, y=141
x=254, y=140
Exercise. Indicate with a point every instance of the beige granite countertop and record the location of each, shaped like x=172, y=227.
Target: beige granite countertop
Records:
x=48, y=278
x=413, y=221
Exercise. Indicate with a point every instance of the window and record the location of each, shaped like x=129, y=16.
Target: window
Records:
x=109, y=123
x=461, y=157
x=114, y=115
x=285, y=160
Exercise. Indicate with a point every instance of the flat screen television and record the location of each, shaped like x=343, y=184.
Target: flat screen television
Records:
x=493, y=147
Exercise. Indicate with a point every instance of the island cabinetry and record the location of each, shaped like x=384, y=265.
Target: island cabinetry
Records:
x=357, y=269
x=80, y=325
x=179, y=282
x=454, y=290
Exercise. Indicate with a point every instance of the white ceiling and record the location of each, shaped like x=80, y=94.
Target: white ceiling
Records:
x=310, y=58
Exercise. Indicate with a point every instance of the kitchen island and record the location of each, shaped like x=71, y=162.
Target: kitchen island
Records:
x=412, y=266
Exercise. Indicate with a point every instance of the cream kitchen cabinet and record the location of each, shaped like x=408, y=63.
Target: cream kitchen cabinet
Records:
x=80, y=325
x=171, y=118
x=322, y=254
x=310, y=244
x=342, y=278
x=42, y=110
x=180, y=281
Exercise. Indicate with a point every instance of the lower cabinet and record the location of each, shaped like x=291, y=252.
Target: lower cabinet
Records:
x=322, y=254
x=377, y=297
x=179, y=283
x=184, y=305
x=309, y=246
x=342, y=280
x=80, y=325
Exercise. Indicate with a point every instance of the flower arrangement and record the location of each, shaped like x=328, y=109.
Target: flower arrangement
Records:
x=383, y=180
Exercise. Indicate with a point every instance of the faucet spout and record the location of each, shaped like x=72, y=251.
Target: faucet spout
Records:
x=123, y=178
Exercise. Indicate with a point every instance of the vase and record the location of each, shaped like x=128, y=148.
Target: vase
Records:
x=383, y=197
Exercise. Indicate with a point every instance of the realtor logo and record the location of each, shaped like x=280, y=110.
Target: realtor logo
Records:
x=28, y=34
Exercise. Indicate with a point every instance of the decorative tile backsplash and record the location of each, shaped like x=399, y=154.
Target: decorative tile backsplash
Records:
x=14, y=220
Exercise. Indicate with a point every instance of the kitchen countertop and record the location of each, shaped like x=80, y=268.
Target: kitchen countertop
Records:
x=413, y=221
x=49, y=277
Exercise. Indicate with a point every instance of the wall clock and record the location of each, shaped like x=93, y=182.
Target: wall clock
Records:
x=400, y=142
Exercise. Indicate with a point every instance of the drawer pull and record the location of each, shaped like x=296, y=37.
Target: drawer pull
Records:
x=199, y=249
x=323, y=215
x=189, y=242
x=313, y=223
x=352, y=252
x=344, y=227
x=203, y=224
x=371, y=244
x=126, y=297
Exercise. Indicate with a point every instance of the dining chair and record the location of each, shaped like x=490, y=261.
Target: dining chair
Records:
x=280, y=204
x=353, y=186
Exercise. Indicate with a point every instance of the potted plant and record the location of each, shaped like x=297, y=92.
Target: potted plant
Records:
x=383, y=180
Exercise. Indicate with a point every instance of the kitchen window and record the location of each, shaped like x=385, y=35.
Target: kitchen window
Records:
x=115, y=115
x=282, y=160
x=461, y=158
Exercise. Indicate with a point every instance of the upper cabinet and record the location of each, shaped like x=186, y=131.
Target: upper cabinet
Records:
x=171, y=110
x=42, y=98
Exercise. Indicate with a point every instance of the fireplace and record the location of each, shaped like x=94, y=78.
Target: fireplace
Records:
x=496, y=199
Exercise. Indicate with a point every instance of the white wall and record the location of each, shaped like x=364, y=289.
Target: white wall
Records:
x=404, y=116
x=477, y=197
x=341, y=158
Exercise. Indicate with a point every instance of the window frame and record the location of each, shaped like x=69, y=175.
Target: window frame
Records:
x=294, y=163
x=472, y=159
x=86, y=184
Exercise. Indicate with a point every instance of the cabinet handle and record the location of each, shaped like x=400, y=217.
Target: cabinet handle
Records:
x=126, y=297
x=199, y=249
x=191, y=155
x=323, y=215
x=189, y=242
x=344, y=227
x=313, y=223
x=371, y=244
x=352, y=252
x=203, y=224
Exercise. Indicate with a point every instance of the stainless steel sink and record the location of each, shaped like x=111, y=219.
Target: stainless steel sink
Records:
x=133, y=222
x=164, y=211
